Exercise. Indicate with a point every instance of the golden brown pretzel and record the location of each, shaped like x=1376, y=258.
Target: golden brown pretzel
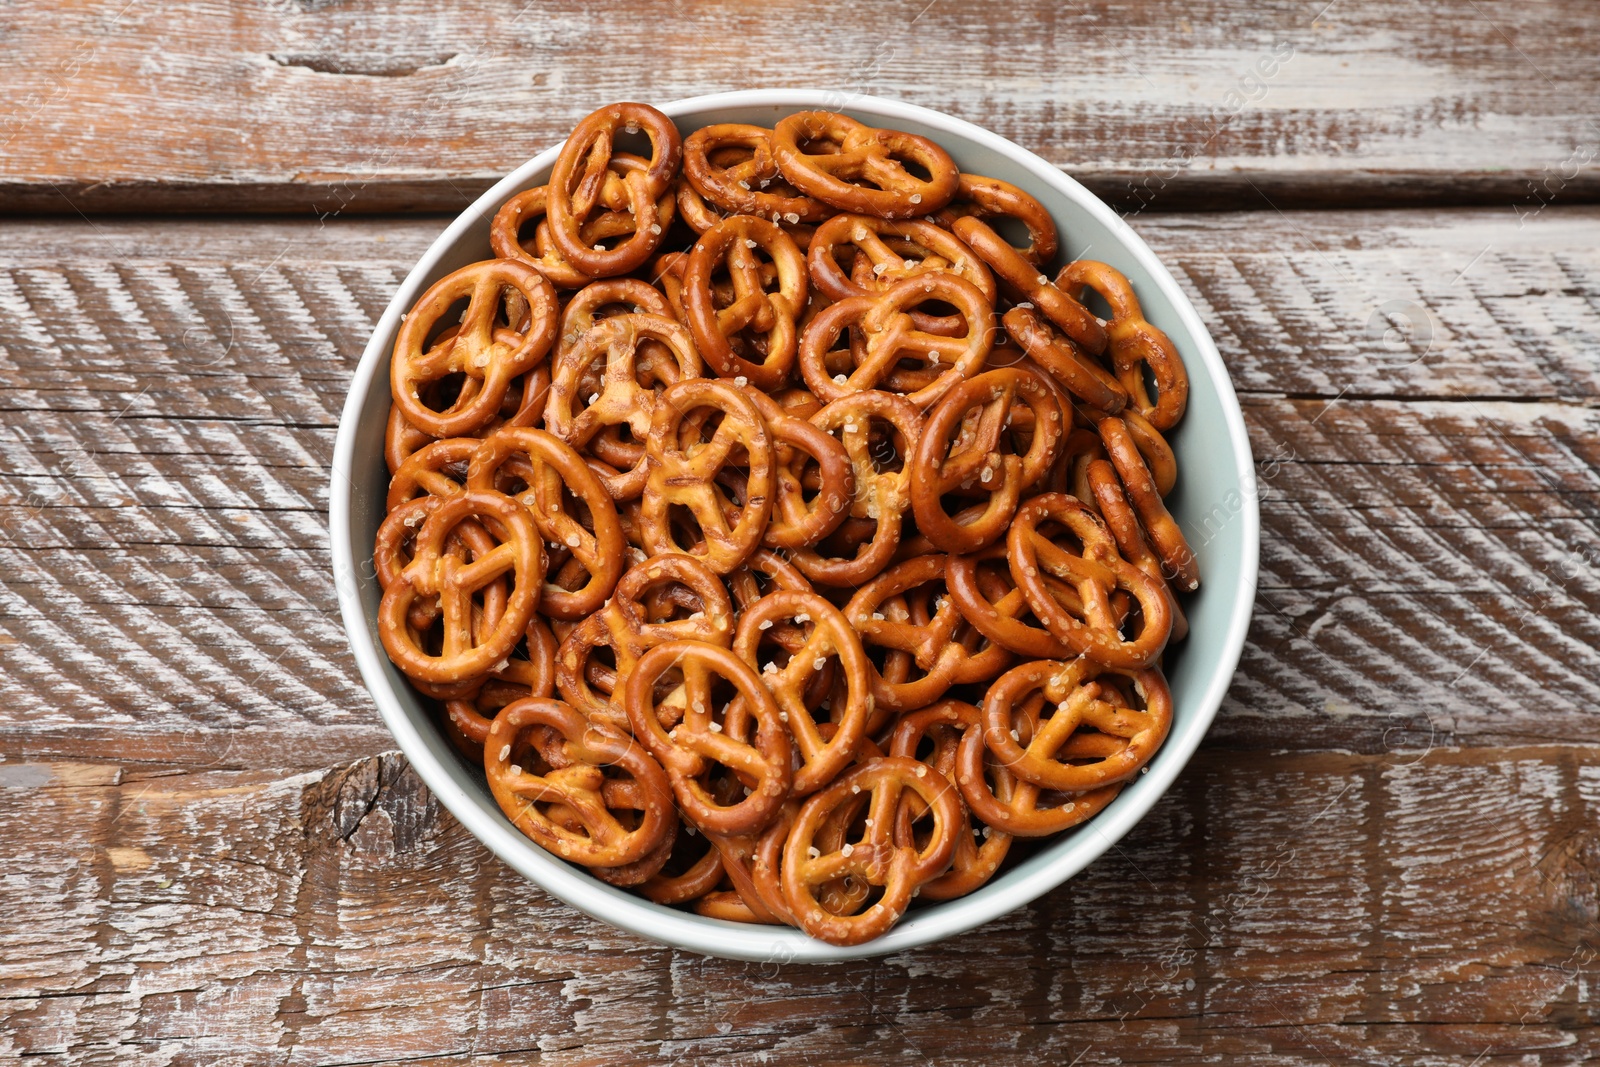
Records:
x=627, y=393
x=581, y=787
x=555, y=470
x=980, y=584
x=878, y=857
x=1095, y=571
x=753, y=336
x=1080, y=733
x=1106, y=489
x=859, y=168
x=750, y=186
x=696, y=879
x=890, y=337
x=1076, y=372
x=990, y=198
x=685, y=475
x=1154, y=448
x=826, y=637
x=626, y=627
x=698, y=739
x=1135, y=344
x=917, y=632
x=1024, y=281
x=981, y=457
x=603, y=299
x=488, y=351
x=973, y=863
x=579, y=176
x=469, y=719
x=434, y=572
x=1018, y=807
x=505, y=237
x=886, y=252
x=511, y=222
x=401, y=439
x=882, y=496
x=803, y=454
x=436, y=469
x=1178, y=561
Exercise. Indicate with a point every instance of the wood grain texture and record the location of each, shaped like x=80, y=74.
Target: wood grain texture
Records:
x=169, y=394
x=1436, y=909
x=308, y=106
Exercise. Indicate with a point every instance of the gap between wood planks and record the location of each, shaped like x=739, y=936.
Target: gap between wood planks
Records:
x=331, y=107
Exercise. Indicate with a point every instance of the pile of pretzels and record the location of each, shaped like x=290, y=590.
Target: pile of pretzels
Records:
x=781, y=539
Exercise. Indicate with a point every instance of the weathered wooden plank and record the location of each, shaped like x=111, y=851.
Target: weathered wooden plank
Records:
x=1273, y=909
x=1429, y=560
x=313, y=107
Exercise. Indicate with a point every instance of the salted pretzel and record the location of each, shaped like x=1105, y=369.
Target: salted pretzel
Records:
x=1023, y=279
x=967, y=443
x=510, y=239
x=701, y=216
x=697, y=741
x=709, y=539
x=840, y=896
x=694, y=210
x=1014, y=806
x=469, y=720
x=927, y=632
x=756, y=322
x=990, y=198
x=886, y=252
x=581, y=786
x=604, y=299
x=978, y=852
x=1075, y=372
x=434, y=572
x=401, y=439
x=436, y=469
x=506, y=231
x=858, y=168
x=802, y=452
x=827, y=638
x=579, y=176
x=1095, y=571
x=1135, y=345
x=882, y=497
x=980, y=583
x=684, y=475
x=877, y=858
x=627, y=629
x=626, y=394
x=487, y=350
x=1108, y=496
x=393, y=551
x=751, y=186
x=1178, y=561
x=697, y=878
x=890, y=337
x=1083, y=732
x=555, y=471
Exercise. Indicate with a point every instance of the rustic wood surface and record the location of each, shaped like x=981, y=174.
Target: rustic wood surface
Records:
x=314, y=105
x=1386, y=852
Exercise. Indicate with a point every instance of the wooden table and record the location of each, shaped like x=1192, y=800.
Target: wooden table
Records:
x=1386, y=852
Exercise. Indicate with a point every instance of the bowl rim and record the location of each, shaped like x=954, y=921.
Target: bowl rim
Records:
x=782, y=944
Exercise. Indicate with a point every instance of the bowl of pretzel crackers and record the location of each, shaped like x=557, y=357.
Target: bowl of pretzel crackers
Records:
x=792, y=527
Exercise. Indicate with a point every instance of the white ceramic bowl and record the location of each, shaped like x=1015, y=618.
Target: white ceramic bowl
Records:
x=1215, y=501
